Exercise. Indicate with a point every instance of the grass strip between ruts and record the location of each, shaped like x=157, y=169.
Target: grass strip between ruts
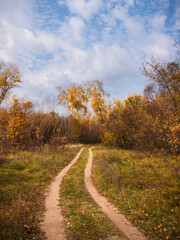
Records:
x=84, y=220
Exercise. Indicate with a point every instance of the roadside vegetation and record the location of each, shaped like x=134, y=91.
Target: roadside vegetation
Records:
x=23, y=179
x=145, y=122
x=83, y=218
x=145, y=187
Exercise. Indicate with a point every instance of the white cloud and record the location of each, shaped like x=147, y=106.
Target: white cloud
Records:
x=76, y=25
x=130, y=2
x=158, y=21
x=134, y=27
x=110, y=61
x=50, y=42
x=18, y=41
x=120, y=12
x=159, y=45
x=145, y=35
x=85, y=9
x=17, y=12
x=79, y=49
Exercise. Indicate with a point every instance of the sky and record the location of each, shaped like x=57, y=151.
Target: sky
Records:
x=58, y=42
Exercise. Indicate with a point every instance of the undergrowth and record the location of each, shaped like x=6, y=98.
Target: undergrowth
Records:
x=144, y=187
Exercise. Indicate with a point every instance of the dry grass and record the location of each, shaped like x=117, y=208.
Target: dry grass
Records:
x=144, y=187
x=23, y=178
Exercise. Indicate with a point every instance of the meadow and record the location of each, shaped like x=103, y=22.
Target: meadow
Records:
x=24, y=176
x=145, y=187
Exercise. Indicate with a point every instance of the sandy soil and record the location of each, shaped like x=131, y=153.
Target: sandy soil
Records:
x=52, y=223
x=124, y=226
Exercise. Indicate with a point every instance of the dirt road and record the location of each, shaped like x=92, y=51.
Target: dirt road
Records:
x=53, y=219
x=52, y=223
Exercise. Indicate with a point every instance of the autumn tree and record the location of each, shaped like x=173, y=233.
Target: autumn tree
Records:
x=115, y=130
x=124, y=126
x=3, y=131
x=17, y=123
x=9, y=78
x=86, y=104
x=75, y=98
x=78, y=98
x=164, y=79
x=97, y=99
x=91, y=131
x=164, y=89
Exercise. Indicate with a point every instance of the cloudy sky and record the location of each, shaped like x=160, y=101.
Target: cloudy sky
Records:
x=56, y=42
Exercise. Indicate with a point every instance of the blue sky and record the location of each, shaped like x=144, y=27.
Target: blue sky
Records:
x=57, y=42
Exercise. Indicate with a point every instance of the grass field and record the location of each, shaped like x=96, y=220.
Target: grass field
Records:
x=23, y=178
x=144, y=187
x=84, y=220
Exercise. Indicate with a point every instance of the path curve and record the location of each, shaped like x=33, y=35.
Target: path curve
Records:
x=125, y=227
x=52, y=223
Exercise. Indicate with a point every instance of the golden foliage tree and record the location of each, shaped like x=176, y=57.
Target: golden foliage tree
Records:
x=79, y=97
x=9, y=78
x=17, y=123
x=97, y=99
x=75, y=97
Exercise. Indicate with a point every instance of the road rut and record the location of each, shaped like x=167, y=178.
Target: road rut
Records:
x=119, y=220
x=52, y=223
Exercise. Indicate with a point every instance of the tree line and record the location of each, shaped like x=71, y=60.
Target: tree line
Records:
x=149, y=121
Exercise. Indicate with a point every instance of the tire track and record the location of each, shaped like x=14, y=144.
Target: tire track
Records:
x=52, y=223
x=119, y=220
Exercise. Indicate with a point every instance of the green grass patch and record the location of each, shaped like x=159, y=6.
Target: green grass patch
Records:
x=23, y=178
x=144, y=187
x=84, y=220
